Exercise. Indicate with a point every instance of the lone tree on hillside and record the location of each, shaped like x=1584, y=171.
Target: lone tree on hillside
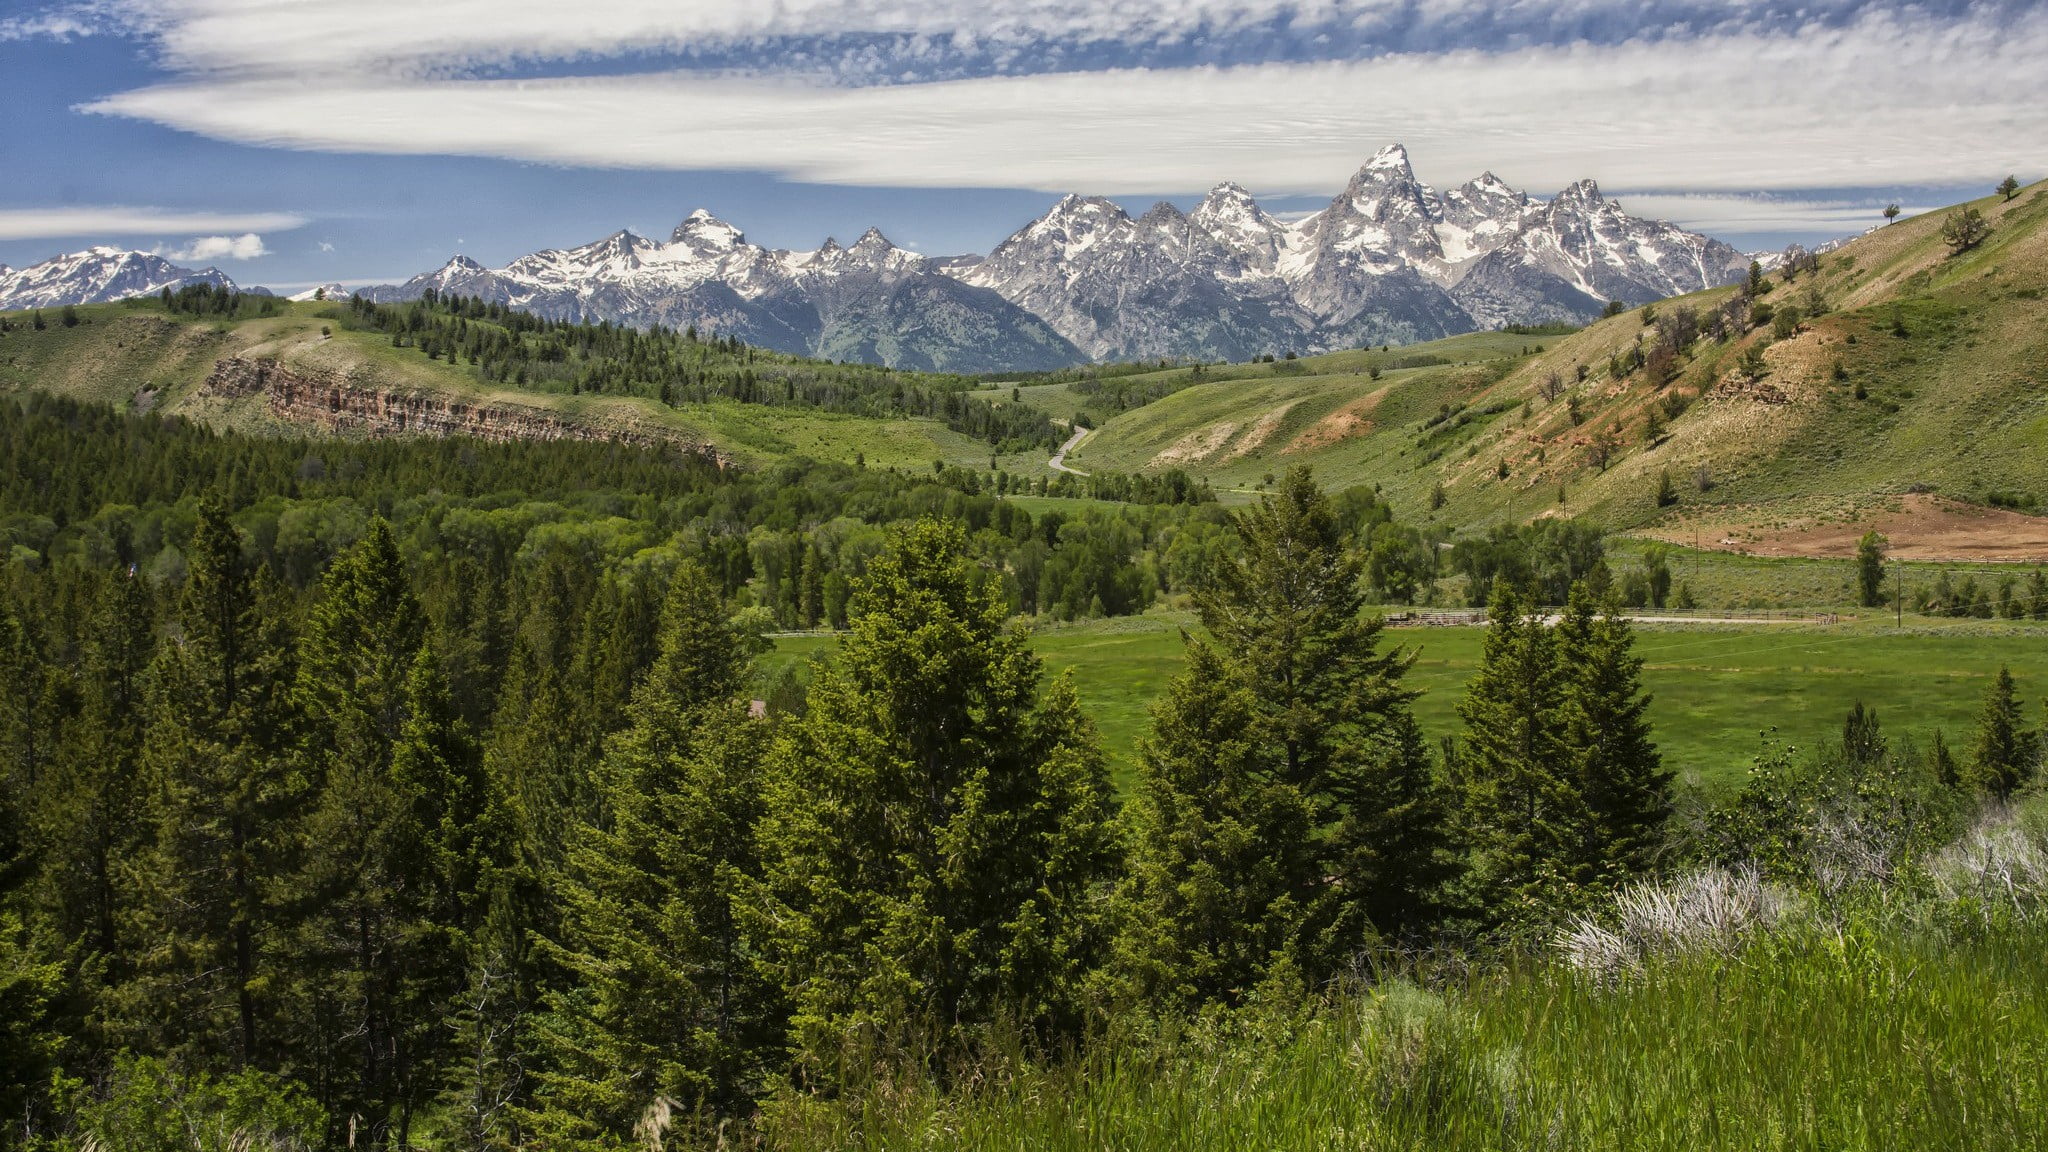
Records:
x=1964, y=229
x=2009, y=187
x=1891, y=213
x=1870, y=568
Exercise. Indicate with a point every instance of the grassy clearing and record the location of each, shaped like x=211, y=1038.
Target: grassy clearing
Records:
x=1714, y=688
x=1854, y=1038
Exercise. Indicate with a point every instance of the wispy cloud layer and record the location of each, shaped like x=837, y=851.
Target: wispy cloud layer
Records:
x=1883, y=100
x=66, y=222
x=405, y=37
x=1763, y=215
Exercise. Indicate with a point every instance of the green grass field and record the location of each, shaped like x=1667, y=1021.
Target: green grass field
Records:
x=1860, y=1039
x=1715, y=689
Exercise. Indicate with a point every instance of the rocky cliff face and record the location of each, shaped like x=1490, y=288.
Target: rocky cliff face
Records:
x=339, y=405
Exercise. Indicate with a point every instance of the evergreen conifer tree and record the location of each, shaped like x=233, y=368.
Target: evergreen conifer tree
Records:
x=92, y=811
x=1525, y=811
x=1623, y=785
x=661, y=1003
x=2007, y=753
x=393, y=845
x=208, y=908
x=1287, y=809
x=937, y=841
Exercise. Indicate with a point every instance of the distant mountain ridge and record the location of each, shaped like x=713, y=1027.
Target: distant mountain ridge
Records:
x=872, y=301
x=1390, y=260
x=97, y=275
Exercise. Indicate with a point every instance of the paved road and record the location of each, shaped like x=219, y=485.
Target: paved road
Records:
x=1059, y=458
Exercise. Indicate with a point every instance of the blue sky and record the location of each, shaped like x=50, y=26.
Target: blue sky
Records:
x=362, y=142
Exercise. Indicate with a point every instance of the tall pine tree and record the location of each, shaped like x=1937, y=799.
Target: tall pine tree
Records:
x=1288, y=809
x=661, y=1004
x=2007, y=752
x=393, y=846
x=220, y=722
x=937, y=842
x=1625, y=789
x=1526, y=816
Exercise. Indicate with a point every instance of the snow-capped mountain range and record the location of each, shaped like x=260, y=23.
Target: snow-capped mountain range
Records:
x=96, y=276
x=871, y=301
x=1390, y=260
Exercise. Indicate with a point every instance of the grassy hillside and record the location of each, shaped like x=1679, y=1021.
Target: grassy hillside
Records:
x=138, y=355
x=1889, y=385
x=1358, y=416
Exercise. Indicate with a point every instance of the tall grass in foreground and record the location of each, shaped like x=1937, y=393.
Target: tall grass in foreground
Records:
x=1862, y=1032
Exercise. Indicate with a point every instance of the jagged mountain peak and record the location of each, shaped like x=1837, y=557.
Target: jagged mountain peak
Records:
x=1486, y=183
x=621, y=246
x=1164, y=212
x=1581, y=192
x=704, y=232
x=1228, y=202
x=872, y=240
x=1392, y=158
x=1094, y=210
x=1227, y=193
x=873, y=253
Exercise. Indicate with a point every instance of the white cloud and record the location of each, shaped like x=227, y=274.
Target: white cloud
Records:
x=326, y=246
x=51, y=223
x=244, y=36
x=1883, y=101
x=247, y=246
x=47, y=26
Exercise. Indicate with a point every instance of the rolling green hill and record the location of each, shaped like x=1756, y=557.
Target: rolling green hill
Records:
x=140, y=355
x=1898, y=383
x=1894, y=383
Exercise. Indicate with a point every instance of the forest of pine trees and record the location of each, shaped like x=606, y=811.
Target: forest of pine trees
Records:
x=418, y=799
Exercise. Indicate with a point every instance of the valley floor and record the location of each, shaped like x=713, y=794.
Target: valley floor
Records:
x=1711, y=683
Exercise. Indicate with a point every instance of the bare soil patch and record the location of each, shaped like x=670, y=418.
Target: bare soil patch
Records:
x=1920, y=527
x=1260, y=431
x=1353, y=419
x=1200, y=444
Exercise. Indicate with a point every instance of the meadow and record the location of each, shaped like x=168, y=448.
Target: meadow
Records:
x=1848, y=1040
x=1716, y=689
